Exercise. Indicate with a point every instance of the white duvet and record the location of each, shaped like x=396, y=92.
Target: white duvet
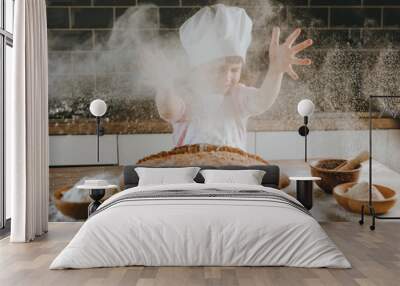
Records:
x=200, y=231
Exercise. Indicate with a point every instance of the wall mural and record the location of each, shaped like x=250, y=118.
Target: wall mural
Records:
x=208, y=75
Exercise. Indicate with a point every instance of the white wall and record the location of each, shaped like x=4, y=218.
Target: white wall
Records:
x=134, y=147
x=127, y=149
x=337, y=143
x=82, y=150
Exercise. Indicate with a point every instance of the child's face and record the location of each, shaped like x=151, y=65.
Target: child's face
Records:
x=228, y=75
x=221, y=75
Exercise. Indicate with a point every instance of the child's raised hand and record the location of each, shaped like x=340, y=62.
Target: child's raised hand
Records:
x=283, y=56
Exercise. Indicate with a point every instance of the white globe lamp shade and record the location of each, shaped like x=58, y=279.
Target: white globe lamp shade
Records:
x=305, y=107
x=98, y=107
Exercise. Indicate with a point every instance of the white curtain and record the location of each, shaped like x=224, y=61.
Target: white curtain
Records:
x=27, y=124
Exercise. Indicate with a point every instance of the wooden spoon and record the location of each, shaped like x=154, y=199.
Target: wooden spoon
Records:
x=354, y=162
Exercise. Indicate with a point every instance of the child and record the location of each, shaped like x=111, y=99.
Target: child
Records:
x=216, y=40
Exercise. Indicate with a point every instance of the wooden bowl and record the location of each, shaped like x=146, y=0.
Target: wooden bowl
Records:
x=331, y=178
x=354, y=206
x=78, y=211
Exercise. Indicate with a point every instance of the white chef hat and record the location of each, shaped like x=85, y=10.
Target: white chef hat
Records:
x=215, y=32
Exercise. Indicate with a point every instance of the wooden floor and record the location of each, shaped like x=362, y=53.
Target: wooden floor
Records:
x=375, y=257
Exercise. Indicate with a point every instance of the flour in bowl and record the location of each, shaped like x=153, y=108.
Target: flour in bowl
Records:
x=360, y=192
x=75, y=195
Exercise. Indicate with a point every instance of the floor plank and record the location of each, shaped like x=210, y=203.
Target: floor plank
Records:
x=375, y=257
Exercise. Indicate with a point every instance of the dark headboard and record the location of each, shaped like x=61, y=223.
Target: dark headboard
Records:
x=130, y=178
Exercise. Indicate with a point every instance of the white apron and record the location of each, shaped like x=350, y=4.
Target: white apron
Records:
x=213, y=119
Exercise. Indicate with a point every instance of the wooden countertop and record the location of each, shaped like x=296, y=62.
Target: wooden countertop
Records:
x=322, y=121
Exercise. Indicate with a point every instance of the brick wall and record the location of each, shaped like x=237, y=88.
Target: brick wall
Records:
x=361, y=28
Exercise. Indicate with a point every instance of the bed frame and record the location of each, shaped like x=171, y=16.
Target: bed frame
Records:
x=130, y=178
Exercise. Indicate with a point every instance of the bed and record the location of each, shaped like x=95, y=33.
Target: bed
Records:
x=201, y=224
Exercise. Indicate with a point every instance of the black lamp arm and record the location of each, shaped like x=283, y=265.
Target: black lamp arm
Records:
x=303, y=131
x=99, y=132
x=99, y=129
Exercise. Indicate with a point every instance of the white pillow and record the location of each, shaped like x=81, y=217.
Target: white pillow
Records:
x=248, y=177
x=162, y=176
